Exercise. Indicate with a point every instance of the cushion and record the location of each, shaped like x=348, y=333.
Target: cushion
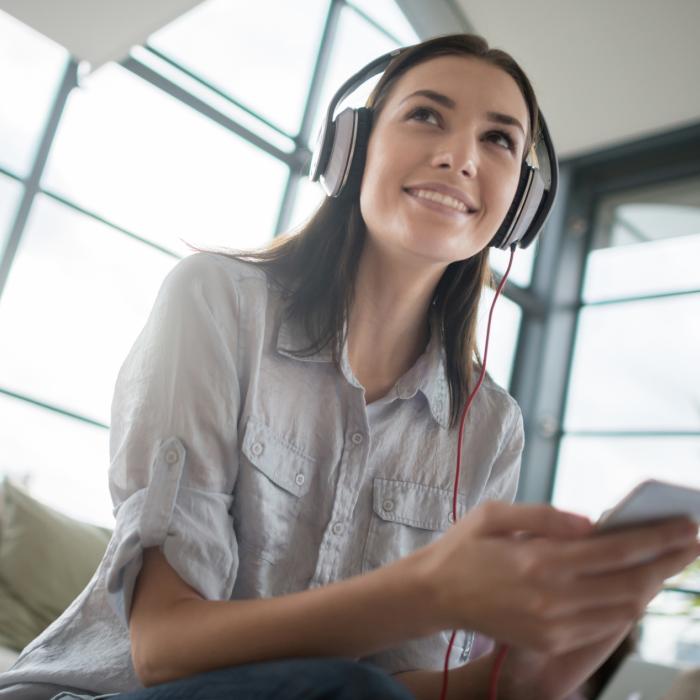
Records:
x=46, y=559
x=7, y=658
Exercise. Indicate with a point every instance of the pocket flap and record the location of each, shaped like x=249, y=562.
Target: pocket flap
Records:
x=410, y=503
x=281, y=461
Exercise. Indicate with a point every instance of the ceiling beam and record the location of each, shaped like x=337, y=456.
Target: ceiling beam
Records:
x=97, y=31
x=442, y=17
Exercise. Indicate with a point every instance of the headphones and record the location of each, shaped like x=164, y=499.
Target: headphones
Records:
x=339, y=158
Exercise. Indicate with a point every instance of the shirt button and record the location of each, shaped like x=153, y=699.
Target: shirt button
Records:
x=300, y=479
x=257, y=449
x=338, y=528
x=357, y=438
x=388, y=505
x=171, y=456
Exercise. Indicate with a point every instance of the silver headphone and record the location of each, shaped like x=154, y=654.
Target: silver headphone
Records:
x=339, y=158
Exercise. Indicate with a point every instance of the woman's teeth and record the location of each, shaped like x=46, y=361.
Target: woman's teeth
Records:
x=440, y=198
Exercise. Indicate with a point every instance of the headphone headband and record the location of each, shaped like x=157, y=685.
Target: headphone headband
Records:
x=339, y=157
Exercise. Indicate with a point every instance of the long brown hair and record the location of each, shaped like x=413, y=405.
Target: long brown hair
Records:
x=315, y=266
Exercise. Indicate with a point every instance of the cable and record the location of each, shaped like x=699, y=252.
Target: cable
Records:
x=498, y=663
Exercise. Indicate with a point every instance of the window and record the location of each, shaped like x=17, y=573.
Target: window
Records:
x=633, y=406
x=146, y=162
x=10, y=192
x=261, y=54
x=32, y=69
x=356, y=44
x=78, y=294
x=633, y=391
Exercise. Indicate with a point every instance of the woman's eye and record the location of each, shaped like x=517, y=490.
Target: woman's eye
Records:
x=502, y=139
x=424, y=114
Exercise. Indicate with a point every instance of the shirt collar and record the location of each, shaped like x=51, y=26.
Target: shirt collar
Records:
x=428, y=375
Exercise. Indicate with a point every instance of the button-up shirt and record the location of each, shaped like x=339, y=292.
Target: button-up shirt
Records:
x=261, y=473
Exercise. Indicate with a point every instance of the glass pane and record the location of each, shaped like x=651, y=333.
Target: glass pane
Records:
x=654, y=267
x=261, y=53
x=671, y=630
x=10, y=193
x=357, y=43
x=388, y=15
x=594, y=473
x=646, y=242
x=309, y=197
x=213, y=98
x=635, y=366
x=77, y=296
x=504, y=336
x=32, y=66
x=147, y=162
x=61, y=461
x=521, y=272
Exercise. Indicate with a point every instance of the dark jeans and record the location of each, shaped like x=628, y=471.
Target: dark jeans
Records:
x=289, y=679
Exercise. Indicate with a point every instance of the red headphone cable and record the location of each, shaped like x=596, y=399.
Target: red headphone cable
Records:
x=503, y=650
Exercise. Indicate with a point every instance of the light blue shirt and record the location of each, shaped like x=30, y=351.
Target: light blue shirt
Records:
x=260, y=474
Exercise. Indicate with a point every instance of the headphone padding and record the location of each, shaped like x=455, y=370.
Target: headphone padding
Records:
x=359, y=153
x=513, y=209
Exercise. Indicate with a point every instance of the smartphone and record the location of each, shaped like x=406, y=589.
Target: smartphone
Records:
x=649, y=501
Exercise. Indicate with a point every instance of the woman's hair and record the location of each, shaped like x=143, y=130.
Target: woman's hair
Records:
x=315, y=266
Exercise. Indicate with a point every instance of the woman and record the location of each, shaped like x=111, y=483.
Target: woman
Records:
x=283, y=443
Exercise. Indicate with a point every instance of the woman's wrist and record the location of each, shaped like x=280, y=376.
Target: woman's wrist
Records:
x=425, y=573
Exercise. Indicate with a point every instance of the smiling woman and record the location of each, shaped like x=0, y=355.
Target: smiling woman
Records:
x=288, y=520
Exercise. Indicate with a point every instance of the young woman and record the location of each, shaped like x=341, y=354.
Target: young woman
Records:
x=283, y=447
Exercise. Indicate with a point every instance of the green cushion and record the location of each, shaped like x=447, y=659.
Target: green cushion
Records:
x=46, y=559
x=18, y=625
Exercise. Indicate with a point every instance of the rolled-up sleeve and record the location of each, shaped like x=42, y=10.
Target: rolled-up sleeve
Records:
x=173, y=437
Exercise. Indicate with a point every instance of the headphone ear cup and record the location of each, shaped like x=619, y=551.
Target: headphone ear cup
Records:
x=346, y=149
x=358, y=155
x=514, y=208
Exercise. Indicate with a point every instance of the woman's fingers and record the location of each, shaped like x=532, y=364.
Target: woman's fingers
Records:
x=628, y=548
x=583, y=629
x=635, y=586
x=497, y=518
x=632, y=587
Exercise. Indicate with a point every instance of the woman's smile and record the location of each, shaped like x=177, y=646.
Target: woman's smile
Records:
x=442, y=198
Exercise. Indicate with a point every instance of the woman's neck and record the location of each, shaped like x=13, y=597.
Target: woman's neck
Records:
x=388, y=328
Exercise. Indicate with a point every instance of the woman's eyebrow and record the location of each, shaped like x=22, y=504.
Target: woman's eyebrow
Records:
x=432, y=95
x=448, y=102
x=505, y=119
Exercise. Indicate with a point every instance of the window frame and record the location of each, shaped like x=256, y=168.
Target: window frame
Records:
x=546, y=343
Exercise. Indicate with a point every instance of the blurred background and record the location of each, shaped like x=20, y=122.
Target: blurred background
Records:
x=129, y=129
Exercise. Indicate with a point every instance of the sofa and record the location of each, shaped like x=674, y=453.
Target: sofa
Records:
x=34, y=539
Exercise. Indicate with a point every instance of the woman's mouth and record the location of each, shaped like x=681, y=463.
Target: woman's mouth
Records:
x=439, y=201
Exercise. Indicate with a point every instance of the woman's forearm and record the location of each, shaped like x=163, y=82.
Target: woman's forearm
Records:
x=351, y=618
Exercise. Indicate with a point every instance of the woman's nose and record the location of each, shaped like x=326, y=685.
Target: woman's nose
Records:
x=457, y=156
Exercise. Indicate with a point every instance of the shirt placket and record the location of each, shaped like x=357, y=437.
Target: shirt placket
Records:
x=353, y=464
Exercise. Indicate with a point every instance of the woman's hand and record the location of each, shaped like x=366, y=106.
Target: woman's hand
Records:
x=539, y=579
x=530, y=675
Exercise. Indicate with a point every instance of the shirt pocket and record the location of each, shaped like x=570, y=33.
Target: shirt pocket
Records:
x=405, y=517
x=274, y=476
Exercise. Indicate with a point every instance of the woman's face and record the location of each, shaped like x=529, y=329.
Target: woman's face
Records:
x=443, y=159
